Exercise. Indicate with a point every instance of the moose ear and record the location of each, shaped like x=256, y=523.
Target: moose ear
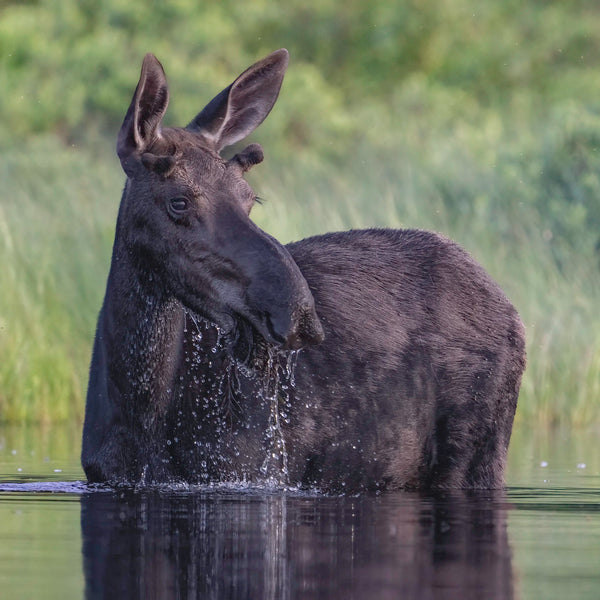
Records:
x=248, y=157
x=240, y=108
x=141, y=126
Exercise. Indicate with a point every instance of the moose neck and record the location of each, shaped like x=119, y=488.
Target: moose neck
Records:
x=142, y=329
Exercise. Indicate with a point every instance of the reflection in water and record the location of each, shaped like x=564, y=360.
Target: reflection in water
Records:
x=276, y=546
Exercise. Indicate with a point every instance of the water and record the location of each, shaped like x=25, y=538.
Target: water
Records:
x=538, y=539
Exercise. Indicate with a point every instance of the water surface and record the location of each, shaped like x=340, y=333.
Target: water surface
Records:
x=60, y=539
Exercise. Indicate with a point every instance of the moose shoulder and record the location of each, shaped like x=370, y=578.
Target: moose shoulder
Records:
x=348, y=361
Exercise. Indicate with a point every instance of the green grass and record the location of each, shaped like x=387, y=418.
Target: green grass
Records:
x=56, y=224
x=473, y=182
x=479, y=121
x=559, y=308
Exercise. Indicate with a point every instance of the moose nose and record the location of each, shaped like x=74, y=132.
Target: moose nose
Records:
x=306, y=330
x=277, y=300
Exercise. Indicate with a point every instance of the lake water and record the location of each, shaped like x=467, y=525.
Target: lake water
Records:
x=540, y=538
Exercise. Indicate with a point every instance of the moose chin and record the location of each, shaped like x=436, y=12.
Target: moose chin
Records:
x=350, y=361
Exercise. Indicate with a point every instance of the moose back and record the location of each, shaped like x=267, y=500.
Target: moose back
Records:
x=349, y=361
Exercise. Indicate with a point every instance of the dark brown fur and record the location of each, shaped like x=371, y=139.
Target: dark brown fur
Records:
x=411, y=356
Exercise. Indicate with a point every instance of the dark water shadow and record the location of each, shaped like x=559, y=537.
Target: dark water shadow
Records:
x=257, y=545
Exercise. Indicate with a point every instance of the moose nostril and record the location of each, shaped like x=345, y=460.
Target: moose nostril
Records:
x=301, y=328
x=311, y=328
x=307, y=330
x=293, y=342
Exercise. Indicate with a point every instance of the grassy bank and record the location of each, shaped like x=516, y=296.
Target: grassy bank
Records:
x=56, y=224
x=479, y=183
x=479, y=121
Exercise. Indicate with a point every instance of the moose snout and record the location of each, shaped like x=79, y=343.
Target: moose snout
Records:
x=276, y=298
x=303, y=329
x=286, y=301
x=308, y=330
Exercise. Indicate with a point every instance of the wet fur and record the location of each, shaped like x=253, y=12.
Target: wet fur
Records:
x=411, y=357
x=415, y=384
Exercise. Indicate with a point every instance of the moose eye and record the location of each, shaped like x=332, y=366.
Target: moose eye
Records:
x=178, y=206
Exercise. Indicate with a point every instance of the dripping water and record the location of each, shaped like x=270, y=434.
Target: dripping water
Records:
x=221, y=395
x=279, y=377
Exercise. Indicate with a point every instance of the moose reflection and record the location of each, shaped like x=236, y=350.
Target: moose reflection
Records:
x=240, y=545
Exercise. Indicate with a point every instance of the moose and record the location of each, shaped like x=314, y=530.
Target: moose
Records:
x=359, y=360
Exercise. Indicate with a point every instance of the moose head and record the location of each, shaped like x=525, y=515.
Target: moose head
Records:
x=184, y=218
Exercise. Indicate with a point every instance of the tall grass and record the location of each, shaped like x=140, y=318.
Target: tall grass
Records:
x=473, y=182
x=56, y=222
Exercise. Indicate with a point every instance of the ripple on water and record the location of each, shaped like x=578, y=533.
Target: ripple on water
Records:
x=47, y=487
x=240, y=488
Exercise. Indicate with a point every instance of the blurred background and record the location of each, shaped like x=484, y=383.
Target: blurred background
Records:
x=478, y=120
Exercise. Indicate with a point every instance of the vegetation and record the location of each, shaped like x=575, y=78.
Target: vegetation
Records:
x=478, y=120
